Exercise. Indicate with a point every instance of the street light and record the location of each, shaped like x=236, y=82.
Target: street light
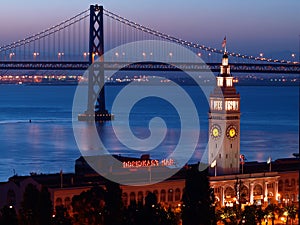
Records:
x=11, y=55
x=35, y=54
x=60, y=55
x=85, y=54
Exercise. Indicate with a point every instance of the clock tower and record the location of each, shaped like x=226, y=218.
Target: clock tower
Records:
x=224, y=123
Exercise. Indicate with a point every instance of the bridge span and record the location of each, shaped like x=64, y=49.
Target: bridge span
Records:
x=268, y=68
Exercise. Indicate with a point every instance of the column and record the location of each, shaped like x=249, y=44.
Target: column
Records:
x=276, y=190
x=251, y=193
x=266, y=192
x=222, y=195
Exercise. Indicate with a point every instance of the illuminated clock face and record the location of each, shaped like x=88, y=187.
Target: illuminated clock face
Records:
x=215, y=131
x=231, y=132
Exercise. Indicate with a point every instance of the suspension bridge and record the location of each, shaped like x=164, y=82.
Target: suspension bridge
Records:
x=74, y=43
x=67, y=46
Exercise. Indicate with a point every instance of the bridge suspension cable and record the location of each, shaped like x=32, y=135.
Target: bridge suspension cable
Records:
x=45, y=41
x=183, y=42
x=68, y=40
x=45, y=32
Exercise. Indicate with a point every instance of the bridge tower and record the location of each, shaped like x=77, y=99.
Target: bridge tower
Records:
x=224, y=124
x=96, y=109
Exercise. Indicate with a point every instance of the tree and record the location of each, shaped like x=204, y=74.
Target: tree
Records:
x=45, y=208
x=248, y=215
x=271, y=211
x=8, y=215
x=154, y=214
x=89, y=206
x=29, y=205
x=290, y=211
x=61, y=216
x=227, y=215
x=150, y=212
x=36, y=207
x=198, y=198
x=113, y=204
x=260, y=214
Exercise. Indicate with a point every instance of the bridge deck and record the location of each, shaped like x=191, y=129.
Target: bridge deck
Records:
x=152, y=66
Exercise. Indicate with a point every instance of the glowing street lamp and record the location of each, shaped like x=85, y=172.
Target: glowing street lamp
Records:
x=144, y=54
x=261, y=55
x=12, y=54
x=60, y=55
x=293, y=56
x=85, y=54
x=35, y=54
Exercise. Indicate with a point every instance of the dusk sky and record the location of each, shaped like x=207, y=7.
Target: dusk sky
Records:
x=251, y=27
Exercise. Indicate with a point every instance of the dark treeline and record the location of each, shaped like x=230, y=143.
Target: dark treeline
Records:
x=104, y=206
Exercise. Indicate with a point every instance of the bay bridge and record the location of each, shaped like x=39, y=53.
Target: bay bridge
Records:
x=74, y=43
x=67, y=46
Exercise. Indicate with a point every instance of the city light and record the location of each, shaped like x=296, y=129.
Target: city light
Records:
x=35, y=54
x=11, y=55
x=60, y=54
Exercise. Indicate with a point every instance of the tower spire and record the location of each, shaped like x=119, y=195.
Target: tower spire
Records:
x=224, y=44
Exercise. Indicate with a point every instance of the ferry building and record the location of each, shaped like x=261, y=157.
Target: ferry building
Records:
x=259, y=183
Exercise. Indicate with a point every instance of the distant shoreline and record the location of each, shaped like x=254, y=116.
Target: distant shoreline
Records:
x=273, y=84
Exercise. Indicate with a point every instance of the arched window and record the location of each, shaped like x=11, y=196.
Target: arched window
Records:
x=280, y=185
x=177, y=194
x=286, y=196
x=293, y=197
x=156, y=193
x=125, y=199
x=132, y=197
x=229, y=192
x=257, y=190
x=140, y=197
x=286, y=183
x=58, y=202
x=163, y=195
x=293, y=182
x=68, y=203
x=170, y=195
x=244, y=194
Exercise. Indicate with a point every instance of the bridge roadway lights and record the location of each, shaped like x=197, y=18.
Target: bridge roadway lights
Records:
x=97, y=117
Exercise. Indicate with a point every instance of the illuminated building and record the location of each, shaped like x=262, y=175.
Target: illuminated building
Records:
x=224, y=123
